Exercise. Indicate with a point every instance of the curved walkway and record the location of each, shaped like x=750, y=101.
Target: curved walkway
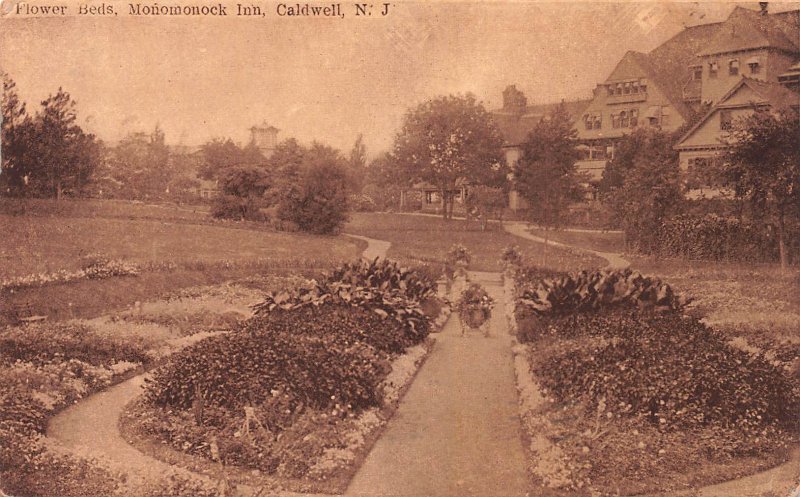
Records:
x=520, y=229
x=375, y=248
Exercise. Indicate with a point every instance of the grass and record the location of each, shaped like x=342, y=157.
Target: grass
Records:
x=599, y=240
x=45, y=244
x=428, y=238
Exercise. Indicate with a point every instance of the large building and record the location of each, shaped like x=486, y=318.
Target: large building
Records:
x=750, y=62
x=751, y=58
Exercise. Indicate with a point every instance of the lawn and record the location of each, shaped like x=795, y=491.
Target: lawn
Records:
x=429, y=238
x=33, y=244
x=601, y=241
x=120, y=209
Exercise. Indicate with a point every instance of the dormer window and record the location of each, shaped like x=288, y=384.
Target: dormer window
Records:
x=713, y=69
x=733, y=67
x=754, y=65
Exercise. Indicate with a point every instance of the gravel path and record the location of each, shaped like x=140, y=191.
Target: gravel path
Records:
x=375, y=248
x=457, y=430
x=520, y=229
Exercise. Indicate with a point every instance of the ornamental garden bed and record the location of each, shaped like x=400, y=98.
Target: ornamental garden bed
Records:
x=296, y=396
x=47, y=367
x=631, y=396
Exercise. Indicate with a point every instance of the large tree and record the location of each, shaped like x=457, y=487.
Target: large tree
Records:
x=61, y=156
x=449, y=141
x=762, y=165
x=546, y=174
x=16, y=123
x=642, y=185
x=220, y=154
x=357, y=165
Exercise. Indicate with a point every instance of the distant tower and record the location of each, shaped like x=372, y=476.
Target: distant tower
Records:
x=265, y=137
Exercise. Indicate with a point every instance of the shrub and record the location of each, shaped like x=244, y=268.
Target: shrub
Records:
x=242, y=369
x=345, y=322
x=237, y=208
x=318, y=203
x=718, y=238
x=362, y=203
x=670, y=370
x=459, y=254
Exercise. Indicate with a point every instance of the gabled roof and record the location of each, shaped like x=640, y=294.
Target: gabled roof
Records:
x=773, y=94
x=667, y=82
x=746, y=29
x=515, y=126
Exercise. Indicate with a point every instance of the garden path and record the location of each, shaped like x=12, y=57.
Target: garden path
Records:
x=520, y=229
x=375, y=248
x=457, y=430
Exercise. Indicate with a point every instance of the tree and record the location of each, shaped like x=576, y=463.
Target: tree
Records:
x=60, y=155
x=219, y=154
x=15, y=124
x=546, y=174
x=242, y=196
x=448, y=141
x=285, y=167
x=357, y=164
x=642, y=186
x=318, y=203
x=762, y=164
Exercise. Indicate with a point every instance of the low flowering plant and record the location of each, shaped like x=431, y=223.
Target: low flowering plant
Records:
x=475, y=305
x=459, y=255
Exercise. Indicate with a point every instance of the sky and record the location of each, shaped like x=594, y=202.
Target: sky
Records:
x=326, y=79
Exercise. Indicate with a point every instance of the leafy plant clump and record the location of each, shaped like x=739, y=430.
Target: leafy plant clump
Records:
x=379, y=286
x=595, y=290
x=671, y=371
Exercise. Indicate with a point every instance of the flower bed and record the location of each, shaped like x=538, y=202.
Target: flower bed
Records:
x=297, y=391
x=641, y=398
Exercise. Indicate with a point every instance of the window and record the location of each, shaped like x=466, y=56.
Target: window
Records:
x=626, y=89
x=755, y=68
x=623, y=119
x=598, y=121
x=642, y=86
x=615, y=120
x=587, y=121
x=725, y=120
x=610, y=89
x=619, y=89
x=733, y=67
x=697, y=72
x=634, y=117
x=713, y=69
x=635, y=87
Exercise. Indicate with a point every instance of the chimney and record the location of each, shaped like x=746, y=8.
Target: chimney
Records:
x=764, y=8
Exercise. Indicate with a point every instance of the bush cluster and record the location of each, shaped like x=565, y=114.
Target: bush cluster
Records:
x=717, y=238
x=630, y=361
x=244, y=368
x=670, y=370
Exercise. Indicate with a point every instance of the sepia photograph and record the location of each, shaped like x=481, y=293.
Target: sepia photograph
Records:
x=445, y=248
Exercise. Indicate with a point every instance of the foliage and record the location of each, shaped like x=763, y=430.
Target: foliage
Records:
x=12, y=140
x=546, y=174
x=717, y=238
x=458, y=254
x=447, y=141
x=46, y=342
x=670, y=370
x=241, y=369
x=474, y=297
x=382, y=287
x=220, y=154
x=485, y=201
x=357, y=165
x=511, y=257
x=762, y=164
x=361, y=202
x=595, y=290
x=49, y=153
x=642, y=186
x=317, y=201
x=96, y=270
